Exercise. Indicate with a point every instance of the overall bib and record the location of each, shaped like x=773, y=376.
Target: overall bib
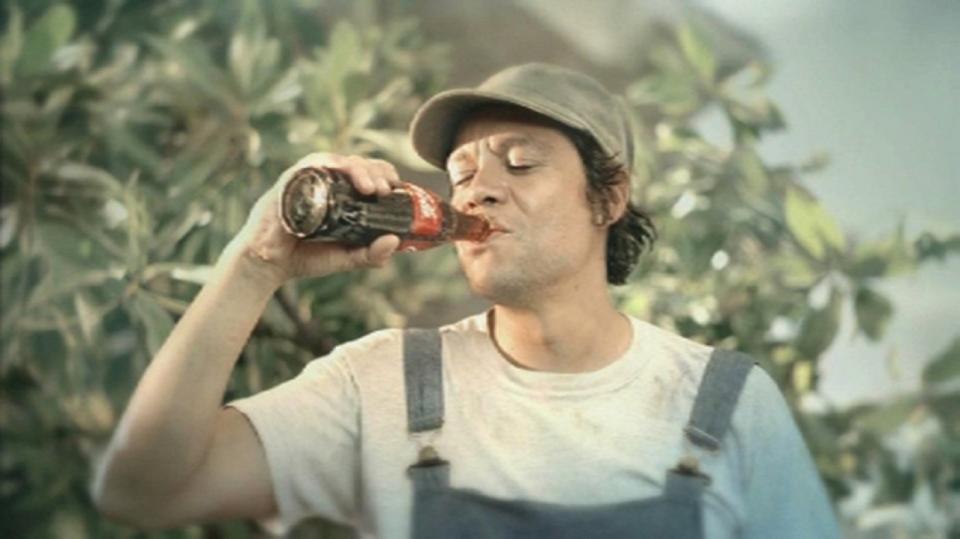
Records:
x=440, y=511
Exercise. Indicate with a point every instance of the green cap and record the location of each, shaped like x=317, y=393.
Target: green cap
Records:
x=566, y=96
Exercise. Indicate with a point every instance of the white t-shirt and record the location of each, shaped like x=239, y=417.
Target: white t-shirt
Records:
x=337, y=444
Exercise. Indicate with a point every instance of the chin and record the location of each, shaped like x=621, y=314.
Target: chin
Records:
x=509, y=280
x=501, y=287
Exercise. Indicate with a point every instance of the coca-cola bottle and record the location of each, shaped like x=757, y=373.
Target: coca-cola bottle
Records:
x=321, y=204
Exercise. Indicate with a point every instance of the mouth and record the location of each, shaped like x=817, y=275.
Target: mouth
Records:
x=496, y=230
x=494, y=233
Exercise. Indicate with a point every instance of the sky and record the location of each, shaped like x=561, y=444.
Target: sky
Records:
x=875, y=85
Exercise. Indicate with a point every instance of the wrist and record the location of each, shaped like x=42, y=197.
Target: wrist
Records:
x=253, y=272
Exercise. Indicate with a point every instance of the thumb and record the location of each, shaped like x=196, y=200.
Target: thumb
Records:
x=380, y=250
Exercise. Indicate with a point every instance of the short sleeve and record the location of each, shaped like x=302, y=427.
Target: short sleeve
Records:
x=309, y=429
x=784, y=495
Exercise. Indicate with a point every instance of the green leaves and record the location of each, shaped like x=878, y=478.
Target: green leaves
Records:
x=191, y=70
x=888, y=417
x=945, y=367
x=10, y=45
x=673, y=92
x=683, y=78
x=888, y=256
x=395, y=145
x=814, y=229
x=137, y=140
x=929, y=245
x=84, y=175
x=757, y=115
x=154, y=319
x=87, y=316
x=820, y=327
x=873, y=312
x=253, y=58
x=697, y=52
x=47, y=34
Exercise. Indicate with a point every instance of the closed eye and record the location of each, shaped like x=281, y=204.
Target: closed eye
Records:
x=513, y=168
x=519, y=168
x=457, y=182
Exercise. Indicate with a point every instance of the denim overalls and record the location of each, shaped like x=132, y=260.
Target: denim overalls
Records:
x=440, y=511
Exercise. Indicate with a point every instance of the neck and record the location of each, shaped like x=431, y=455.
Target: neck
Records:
x=572, y=334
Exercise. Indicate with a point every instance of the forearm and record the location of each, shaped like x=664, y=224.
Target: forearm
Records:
x=163, y=440
x=168, y=424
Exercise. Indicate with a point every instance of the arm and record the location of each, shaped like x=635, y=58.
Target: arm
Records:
x=176, y=455
x=785, y=496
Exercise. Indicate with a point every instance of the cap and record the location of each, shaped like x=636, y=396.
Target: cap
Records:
x=566, y=96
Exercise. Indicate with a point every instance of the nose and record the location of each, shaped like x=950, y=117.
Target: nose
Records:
x=486, y=188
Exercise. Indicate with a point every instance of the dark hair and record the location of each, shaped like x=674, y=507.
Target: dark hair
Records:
x=632, y=234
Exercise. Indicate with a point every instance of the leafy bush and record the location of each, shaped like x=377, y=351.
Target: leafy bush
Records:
x=136, y=136
x=749, y=259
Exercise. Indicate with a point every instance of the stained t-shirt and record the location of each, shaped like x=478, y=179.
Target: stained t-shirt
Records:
x=337, y=444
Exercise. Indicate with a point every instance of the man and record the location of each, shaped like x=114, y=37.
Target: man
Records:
x=550, y=415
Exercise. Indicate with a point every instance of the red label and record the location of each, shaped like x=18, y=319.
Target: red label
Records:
x=427, y=211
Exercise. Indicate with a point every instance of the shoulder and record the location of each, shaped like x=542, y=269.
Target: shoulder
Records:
x=466, y=331
x=389, y=340
x=681, y=363
x=758, y=398
x=687, y=354
x=371, y=345
x=382, y=350
x=762, y=404
x=371, y=351
x=762, y=419
x=675, y=362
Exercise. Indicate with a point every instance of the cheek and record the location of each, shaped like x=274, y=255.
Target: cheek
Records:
x=457, y=198
x=570, y=221
x=571, y=212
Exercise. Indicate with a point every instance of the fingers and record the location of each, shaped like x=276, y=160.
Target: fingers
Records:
x=321, y=258
x=332, y=258
x=369, y=176
x=387, y=172
x=378, y=172
x=374, y=255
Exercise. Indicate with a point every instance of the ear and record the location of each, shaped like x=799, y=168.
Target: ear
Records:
x=619, y=198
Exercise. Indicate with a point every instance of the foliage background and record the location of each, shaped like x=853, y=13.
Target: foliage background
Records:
x=136, y=136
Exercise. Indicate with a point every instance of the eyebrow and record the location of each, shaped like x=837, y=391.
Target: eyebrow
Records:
x=504, y=145
x=511, y=141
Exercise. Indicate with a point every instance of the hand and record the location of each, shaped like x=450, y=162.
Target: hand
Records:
x=279, y=256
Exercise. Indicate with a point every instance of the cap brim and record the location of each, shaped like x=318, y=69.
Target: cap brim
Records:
x=435, y=124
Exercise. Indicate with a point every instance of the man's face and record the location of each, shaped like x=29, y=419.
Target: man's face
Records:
x=527, y=178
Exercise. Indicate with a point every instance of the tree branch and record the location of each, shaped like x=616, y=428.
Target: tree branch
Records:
x=312, y=339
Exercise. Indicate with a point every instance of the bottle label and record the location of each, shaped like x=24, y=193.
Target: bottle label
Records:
x=427, y=211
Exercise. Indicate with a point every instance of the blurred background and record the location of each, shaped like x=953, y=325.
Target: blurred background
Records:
x=798, y=158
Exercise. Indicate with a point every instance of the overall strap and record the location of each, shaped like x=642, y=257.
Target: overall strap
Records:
x=722, y=382
x=423, y=379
